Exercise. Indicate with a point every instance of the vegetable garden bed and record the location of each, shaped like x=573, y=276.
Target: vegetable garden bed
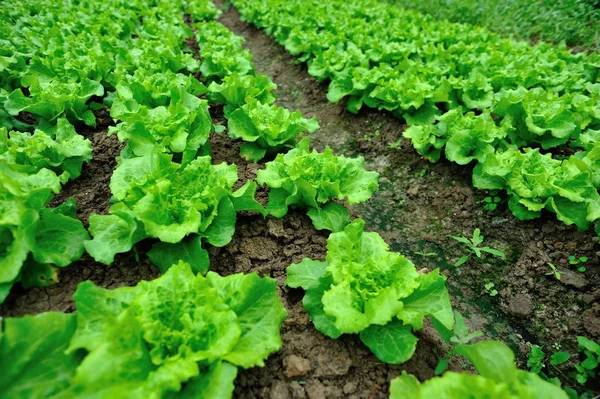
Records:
x=417, y=207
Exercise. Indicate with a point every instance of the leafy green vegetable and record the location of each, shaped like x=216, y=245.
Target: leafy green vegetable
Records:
x=155, y=197
x=201, y=10
x=34, y=239
x=498, y=378
x=58, y=148
x=153, y=89
x=535, y=182
x=182, y=335
x=222, y=52
x=304, y=178
x=364, y=288
x=32, y=355
x=267, y=128
x=179, y=329
x=181, y=127
x=52, y=98
x=235, y=90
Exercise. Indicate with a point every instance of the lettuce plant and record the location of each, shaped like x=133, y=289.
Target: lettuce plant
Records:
x=201, y=10
x=161, y=112
x=498, y=378
x=155, y=197
x=463, y=137
x=303, y=178
x=34, y=240
x=179, y=336
x=222, y=52
x=58, y=148
x=363, y=288
x=51, y=98
x=535, y=181
x=537, y=116
x=267, y=128
x=234, y=90
x=152, y=89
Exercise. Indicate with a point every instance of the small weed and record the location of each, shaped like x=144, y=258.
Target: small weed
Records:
x=474, y=249
x=537, y=361
x=395, y=145
x=489, y=288
x=423, y=172
x=490, y=203
x=459, y=335
x=425, y=254
x=588, y=367
x=573, y=260
x=368, y=137
x=554, y=272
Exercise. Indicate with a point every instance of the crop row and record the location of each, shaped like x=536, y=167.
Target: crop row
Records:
x=186, y=333
x=465, y=92
x=574, y=22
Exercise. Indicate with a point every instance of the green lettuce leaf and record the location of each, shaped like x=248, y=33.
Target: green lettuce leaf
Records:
x=158, y=198
x=364, y=288
x=182, y=126
x=34, y=239
x=177, y=336
x=58, y=148
x=267, y=127
x=189, y=250
x=52, y=98
x=498, y=378
x=304, y=178
x=235, y=89
x=32, y=355
x=222, y=52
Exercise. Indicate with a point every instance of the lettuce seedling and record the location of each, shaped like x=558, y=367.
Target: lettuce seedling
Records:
x=363, y=288
x=309, y=179
x=498, y=378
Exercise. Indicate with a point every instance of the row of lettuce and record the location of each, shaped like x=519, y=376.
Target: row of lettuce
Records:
x=502, y=105
x=60, y=64
x=186, y=333
x=573, y=22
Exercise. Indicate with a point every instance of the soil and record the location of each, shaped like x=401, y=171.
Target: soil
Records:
x=417, y=206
